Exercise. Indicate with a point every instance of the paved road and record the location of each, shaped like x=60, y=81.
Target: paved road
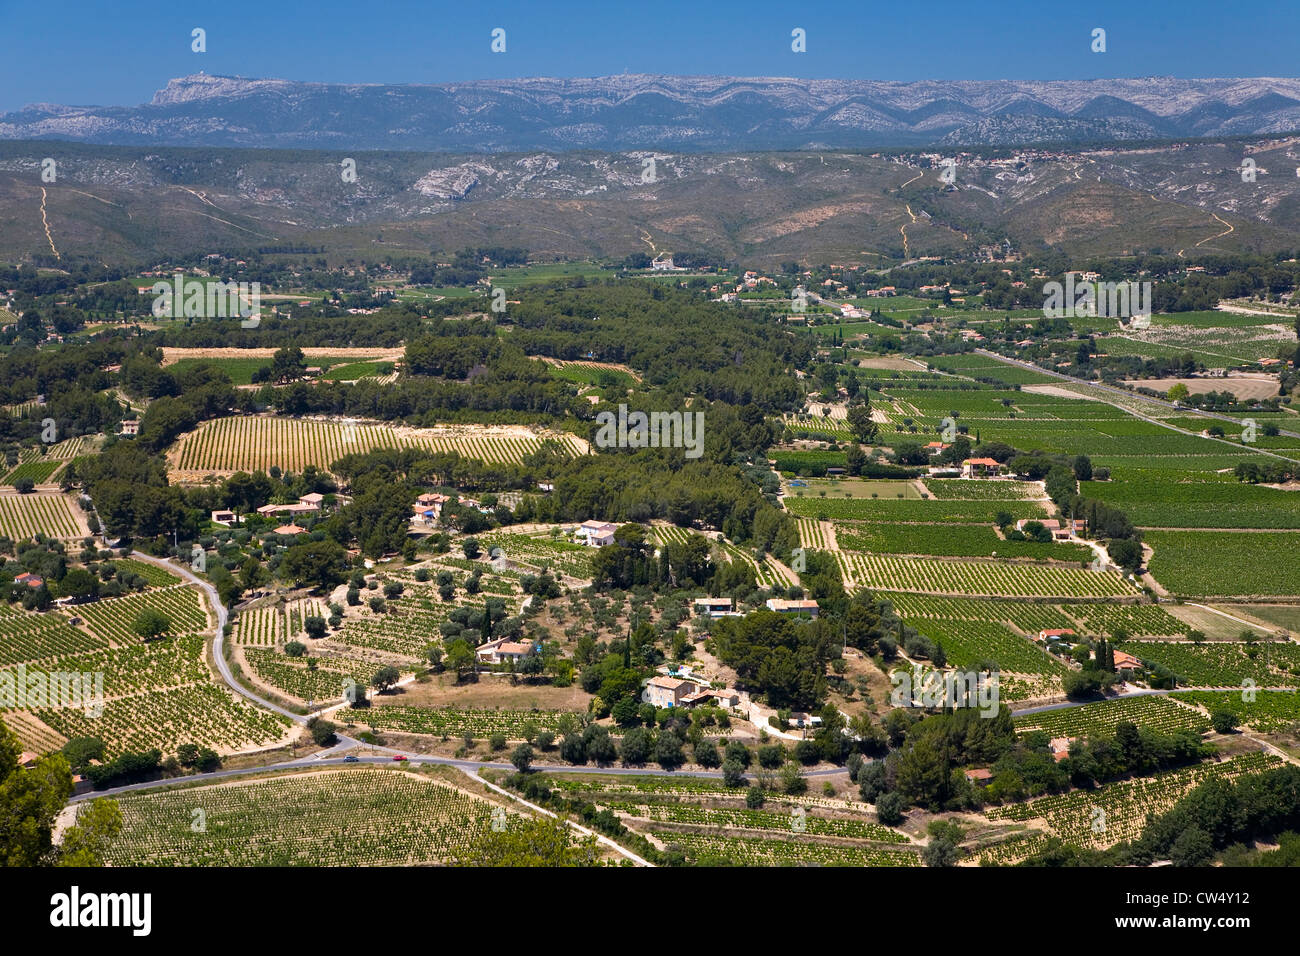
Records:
x=218, y=641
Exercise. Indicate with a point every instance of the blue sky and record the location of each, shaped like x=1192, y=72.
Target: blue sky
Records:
x=120, y=52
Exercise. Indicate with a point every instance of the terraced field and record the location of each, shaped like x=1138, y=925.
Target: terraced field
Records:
x=1139, y=620
x=39, y=471
x=910, y=510
x=1177, y=499
x=814, y=824
x=765, y=573
x=812, y=534
x=344, y=818
x=971, y=643
x=156, y=694
x=541, y=551
x=202, y=713
x=226, y=445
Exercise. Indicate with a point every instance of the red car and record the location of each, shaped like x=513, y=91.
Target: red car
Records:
x=398, y=757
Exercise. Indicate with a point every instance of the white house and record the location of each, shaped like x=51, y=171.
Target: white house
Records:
x=503, y=649
x=596, y=534
x=782, y=606
x=713, y=607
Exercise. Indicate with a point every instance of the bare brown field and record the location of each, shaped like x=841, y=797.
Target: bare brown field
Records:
x=488, y=692
x=1247, y=386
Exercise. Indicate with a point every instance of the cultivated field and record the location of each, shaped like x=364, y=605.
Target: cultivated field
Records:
x=227, y=445
x=978, y=578
x=345, y=818
x=53, y=515
x=1124, y=806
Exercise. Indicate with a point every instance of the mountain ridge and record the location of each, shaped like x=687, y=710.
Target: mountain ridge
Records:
x=648, y=111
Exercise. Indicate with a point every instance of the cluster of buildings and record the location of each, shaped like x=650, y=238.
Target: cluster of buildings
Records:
x=427, y=510
x=716, y=607
x=670, y=690
x=307, y=504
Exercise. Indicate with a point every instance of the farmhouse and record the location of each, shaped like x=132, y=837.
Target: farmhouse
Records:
x=29, y=579
x=1126, y=662
x=1056, y=634
x=503, y=650
x=130, y=426
x=1060, y=747
x=782, y=606
x=1051, y=524
x=226, y=518
x=980, y=776
x=290, y=529
x=1053, y=527
x=666, y=691
x=596, y=534
x=979, y=467
x=726, y=698
x=315, y=499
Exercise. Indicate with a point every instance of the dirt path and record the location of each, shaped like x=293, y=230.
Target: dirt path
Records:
x=46, y=221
